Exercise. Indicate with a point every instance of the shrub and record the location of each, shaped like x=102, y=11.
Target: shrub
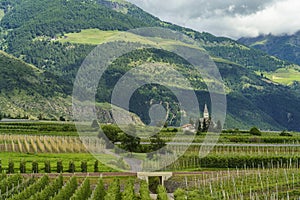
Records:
x=37, y=187
x=179, y=194
x=8, y=183
x=68, y=190
x=129, y=191
x=154, y=182
x=84, y=192
x=193, y=195
x=49, y=191
x=100, y=192
x=144, y=191
x=285, y=133
x=113, y=192
x=174, y=130
x=95, y=124
x=162, y=193
x=255, y=131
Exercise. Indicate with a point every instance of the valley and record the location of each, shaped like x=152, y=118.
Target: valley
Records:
x=62, y=136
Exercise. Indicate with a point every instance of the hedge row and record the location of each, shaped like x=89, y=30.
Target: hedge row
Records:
x=47, y=167
x=232, y=161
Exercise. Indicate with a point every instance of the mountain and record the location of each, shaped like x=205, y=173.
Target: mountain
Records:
x=30, y=93
x=285, y=47
x=55, y=36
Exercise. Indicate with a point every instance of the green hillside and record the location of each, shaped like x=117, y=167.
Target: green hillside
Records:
x=25, y=90
x=285, y=47
x=56, y=36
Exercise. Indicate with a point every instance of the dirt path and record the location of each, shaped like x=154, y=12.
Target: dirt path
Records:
x=92, y=174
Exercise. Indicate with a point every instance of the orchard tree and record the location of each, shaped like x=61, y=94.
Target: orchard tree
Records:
x=255, y=131
x=111, y=132
x=130, y=143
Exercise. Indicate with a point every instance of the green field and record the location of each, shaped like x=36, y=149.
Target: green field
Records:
x=284, y=76
x=96, y=37
x=90, y=36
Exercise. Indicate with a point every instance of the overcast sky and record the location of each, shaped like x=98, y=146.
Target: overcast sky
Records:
x=231, y=18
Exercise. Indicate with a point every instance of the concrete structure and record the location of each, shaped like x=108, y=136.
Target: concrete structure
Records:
x=163, y=176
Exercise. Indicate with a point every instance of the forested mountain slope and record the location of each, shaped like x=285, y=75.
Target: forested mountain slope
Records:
x=34, y=31
x=286, y=47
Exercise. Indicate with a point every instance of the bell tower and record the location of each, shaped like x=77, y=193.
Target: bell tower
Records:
x=205, y=113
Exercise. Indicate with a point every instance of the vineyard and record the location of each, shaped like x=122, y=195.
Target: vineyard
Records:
x=49, y=161
x=236, y=184
x=16, y=187
x=249, y=184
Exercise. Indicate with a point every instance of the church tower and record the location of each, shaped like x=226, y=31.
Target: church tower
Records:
x=205, y=113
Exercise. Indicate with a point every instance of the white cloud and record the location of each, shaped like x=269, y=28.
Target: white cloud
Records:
x=232, y=18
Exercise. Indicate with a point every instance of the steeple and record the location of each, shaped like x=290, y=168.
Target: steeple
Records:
x=205, y=113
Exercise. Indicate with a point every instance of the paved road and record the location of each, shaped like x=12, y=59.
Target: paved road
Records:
x=231, y=145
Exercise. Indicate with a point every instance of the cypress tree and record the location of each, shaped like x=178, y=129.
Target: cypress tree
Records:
x=96, y=166
x=47, y=166
x=59, y=167
x=11, y=167
x=83, y=166
x=71, y=167
x=22, y=166
x=35, y=167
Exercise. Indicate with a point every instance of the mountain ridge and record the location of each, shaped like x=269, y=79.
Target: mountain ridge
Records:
x=247, y=90
x=286, y=47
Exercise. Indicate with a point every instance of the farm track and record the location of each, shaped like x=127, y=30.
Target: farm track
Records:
x=117, y=174
x=92, y=174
